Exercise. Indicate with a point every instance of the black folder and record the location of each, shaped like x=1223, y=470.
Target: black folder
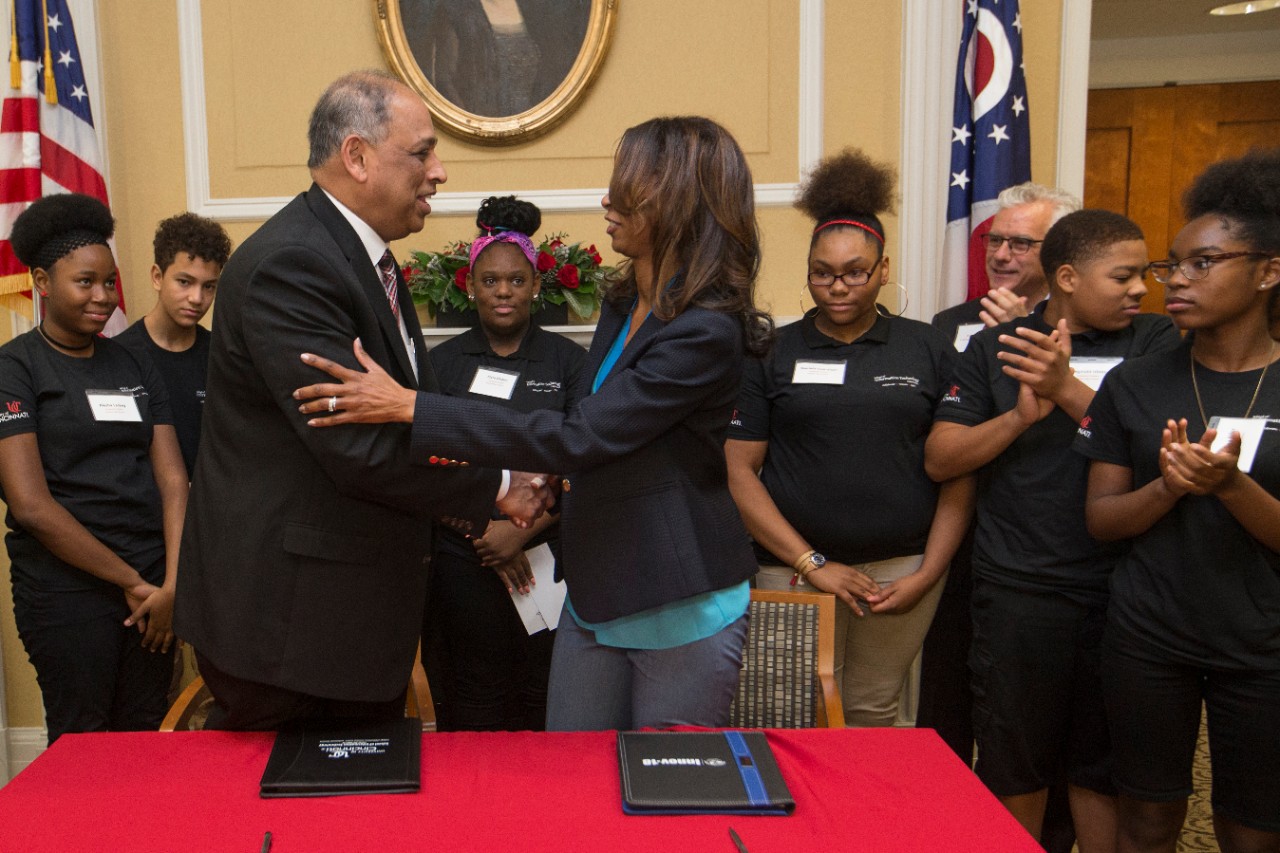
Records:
x=728, y=772
x=327, y=760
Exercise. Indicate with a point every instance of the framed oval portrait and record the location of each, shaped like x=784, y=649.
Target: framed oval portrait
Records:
x=497, y=72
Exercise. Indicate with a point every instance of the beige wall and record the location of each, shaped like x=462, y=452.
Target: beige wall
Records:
x=735, y=60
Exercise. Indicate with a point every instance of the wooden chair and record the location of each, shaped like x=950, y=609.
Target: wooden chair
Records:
x=189, y=710
x=788, y=674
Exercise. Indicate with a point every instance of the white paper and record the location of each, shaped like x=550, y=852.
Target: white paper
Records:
x=1091, y=371
x=965, y=331
x=819, y=372
x=1250, y=430
x=491, y=382
x=540, y=609
x=113, y=406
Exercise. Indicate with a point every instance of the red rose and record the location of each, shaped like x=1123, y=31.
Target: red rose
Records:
x=546, y=261
x=407, y=271
x=556, y=244
x=568, y=276
x=460, y=278
x=595, y=256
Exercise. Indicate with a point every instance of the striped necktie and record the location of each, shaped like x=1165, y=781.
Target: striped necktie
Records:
x=387, y=272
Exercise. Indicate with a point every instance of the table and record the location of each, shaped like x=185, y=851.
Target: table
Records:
x=855, y=789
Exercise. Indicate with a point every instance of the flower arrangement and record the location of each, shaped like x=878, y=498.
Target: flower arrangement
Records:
x=568, y=272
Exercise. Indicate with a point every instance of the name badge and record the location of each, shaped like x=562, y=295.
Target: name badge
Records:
x=965, y=331
x=1090, y=371
x=1250, y=430
x=492, y=382
x=811, y=372
x=113, y=406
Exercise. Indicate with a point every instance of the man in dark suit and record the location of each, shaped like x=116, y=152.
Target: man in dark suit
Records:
x=303, y=575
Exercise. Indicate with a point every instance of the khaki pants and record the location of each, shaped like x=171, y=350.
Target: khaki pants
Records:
x=873, y=652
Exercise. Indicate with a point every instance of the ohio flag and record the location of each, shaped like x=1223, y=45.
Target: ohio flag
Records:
x=47, y=140
x=990, y=139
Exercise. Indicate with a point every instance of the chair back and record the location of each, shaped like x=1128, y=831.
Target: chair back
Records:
x=788, y=678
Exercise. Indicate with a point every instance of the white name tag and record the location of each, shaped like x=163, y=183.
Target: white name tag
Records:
x=1250, y=430
x=966, y=331
x=113, y=406
x=491, y=382
x=819, y=373
x=1091, y=370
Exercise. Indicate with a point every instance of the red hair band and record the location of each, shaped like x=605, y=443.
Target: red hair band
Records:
x=855, y=223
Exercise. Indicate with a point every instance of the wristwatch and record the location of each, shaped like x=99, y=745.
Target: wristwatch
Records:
x=809, y=561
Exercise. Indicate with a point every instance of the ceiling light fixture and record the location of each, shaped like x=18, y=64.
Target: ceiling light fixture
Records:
x=1246, y=8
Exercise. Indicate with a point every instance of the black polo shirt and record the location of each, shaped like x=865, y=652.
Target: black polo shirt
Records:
x=541, y=374
x=1195, y=587
x=98, y=470
x=184, y=375
x=1030, y=518
x=845, y=462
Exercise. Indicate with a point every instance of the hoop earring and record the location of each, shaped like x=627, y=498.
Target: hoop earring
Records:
x=804, y=288
x=906, y=300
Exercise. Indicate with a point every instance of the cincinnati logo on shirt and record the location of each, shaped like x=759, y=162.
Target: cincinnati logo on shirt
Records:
x=1084, y=427
x=13, y=412
x=136, y=391
x=952, y=395
x=735, y=420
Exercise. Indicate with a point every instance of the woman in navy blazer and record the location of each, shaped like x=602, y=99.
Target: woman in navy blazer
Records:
x=655, y=555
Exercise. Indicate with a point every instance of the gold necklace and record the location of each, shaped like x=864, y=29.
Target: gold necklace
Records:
x=1195, y=386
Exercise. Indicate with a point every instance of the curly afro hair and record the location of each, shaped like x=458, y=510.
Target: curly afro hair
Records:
x=1245, y=192
x=510, y=213
x=199, y=237
x=78, y=220
x=848, y=185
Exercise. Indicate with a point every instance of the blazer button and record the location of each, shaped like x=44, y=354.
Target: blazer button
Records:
x=565, y=485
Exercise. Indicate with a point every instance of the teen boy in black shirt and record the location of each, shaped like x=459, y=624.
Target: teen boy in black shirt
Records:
x=189, y=253
x=1040, y=580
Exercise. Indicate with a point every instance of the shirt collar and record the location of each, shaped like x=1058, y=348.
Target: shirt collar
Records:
x=1088, y=334
x=813, y=338
x=476, y=342
x=373, y=244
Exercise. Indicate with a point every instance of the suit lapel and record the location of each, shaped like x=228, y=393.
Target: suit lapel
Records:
x=426, y=376
x=611, y=320
x=370, y=284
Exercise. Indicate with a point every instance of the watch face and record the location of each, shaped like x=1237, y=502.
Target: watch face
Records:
x=818, y=561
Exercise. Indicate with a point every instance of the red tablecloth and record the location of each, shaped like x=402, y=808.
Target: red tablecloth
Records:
x=870, y=789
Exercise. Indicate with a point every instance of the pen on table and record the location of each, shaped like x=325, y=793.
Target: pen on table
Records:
x=266, y=842
x=737, y=842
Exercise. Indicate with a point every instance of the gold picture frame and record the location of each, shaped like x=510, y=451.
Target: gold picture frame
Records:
x=450, y=106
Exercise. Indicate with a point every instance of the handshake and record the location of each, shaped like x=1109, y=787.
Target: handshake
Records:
x=529, y=496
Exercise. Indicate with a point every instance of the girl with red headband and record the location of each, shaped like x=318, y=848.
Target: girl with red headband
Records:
x=834, y=421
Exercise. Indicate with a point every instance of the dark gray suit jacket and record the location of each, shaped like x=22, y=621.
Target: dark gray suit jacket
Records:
x=648, y=519
x=304, y=554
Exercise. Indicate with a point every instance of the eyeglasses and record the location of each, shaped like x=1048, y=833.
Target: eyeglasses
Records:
x=853, y=278
x=1195, y=267
x=1017, y=245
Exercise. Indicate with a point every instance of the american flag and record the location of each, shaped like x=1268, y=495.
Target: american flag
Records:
x=48, y=143
x=990, y=139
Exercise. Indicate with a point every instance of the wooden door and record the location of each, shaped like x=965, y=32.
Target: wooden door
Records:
x=1143, y=147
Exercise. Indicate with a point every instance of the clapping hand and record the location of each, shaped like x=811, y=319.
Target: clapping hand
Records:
x=1190, y=467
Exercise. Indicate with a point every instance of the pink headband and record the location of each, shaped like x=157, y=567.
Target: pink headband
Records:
x=522, y=240
x=855, y=223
